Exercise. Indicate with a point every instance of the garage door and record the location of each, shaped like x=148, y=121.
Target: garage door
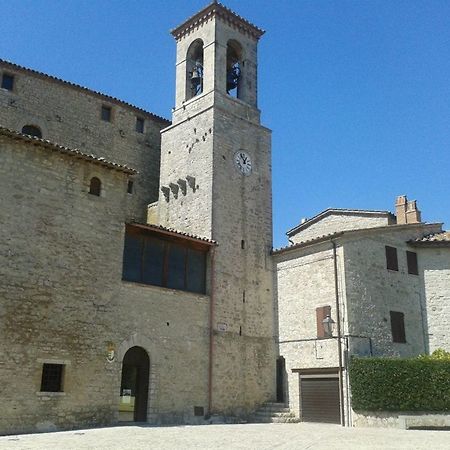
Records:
x=320, y=400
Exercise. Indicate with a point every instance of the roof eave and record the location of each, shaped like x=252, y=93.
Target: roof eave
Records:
x=211, y=10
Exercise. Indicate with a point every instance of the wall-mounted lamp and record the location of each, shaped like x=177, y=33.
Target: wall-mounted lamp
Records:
x=328, y=326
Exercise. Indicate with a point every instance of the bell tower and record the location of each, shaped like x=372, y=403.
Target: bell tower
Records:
x=215, y=182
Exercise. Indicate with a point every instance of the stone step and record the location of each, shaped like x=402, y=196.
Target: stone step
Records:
x=274, y=420
x=274, y=410
x=260, y=413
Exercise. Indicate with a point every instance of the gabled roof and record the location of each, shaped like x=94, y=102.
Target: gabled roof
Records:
x=109, y=98
x=433, y=240
x=341, y=212
x=174, y=233
x=52, y=146
x=356, y=233
x=217, y=9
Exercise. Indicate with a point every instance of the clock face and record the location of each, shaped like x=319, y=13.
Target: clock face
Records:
x=242, y=162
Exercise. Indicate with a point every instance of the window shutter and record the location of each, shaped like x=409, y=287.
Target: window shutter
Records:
x=391, y=258
x=413, y=267
x=398, y=326
x=321, y=313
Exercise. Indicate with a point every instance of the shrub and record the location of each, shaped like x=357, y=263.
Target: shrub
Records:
x=412, y=384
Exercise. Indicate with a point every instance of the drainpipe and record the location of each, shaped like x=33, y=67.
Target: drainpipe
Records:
x=211, y=333
x=338, y=320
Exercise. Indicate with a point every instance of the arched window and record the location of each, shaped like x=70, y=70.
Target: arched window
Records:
x=95, y=186
x=234, y=68
x=194, y=69
x=32, y=130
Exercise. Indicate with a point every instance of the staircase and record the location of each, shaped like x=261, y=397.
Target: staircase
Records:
x=273, y=413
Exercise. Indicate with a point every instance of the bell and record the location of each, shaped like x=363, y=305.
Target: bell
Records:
x=196, y=77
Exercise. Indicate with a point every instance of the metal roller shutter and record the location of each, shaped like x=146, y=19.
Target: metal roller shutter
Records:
x=320, y=400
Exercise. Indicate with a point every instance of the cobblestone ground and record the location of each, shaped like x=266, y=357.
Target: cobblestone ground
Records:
x=249, y=436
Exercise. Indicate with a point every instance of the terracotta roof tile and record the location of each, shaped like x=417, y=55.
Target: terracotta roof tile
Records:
x=173, y=231
x=434, y=239
x=99, y=160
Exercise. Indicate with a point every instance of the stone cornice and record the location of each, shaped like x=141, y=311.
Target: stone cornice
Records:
x=216, y=9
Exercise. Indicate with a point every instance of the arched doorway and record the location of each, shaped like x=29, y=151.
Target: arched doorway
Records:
x=134, y=386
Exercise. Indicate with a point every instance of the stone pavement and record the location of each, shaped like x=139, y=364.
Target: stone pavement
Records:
x=249, y=436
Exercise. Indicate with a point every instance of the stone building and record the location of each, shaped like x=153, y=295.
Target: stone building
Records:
x=357, y=282
x=135, y=267
x=137, y=278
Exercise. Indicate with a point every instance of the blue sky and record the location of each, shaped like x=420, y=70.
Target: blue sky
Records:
x=357, y=93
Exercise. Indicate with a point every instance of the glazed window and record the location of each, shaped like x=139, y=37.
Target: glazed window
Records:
x=95, y=186
x=139, y=125
x=106, y=113
x=391, y=258
x=52, y=377
x=150, y=259
x=32, y=130
x=7, y=81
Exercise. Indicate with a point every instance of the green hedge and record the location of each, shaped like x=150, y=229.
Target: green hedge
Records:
x=413, y=384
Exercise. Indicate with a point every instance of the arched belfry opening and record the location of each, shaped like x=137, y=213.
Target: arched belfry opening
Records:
x=194, y=69
x=234, y=68
x=134, y=386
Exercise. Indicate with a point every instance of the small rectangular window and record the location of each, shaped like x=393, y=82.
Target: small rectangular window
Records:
x=8, y=81
x=130, y=186
x=398, y=326
x=106, y=113
x=52, y=376
x=139, y=125
x=411, y=258
x=321, y=313
x=391, y=258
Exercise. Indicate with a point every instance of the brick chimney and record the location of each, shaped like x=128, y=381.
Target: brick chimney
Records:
x=412, y=213
x=400, y=209
x=406, y=210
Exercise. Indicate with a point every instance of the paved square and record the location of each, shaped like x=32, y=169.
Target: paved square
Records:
x=248, y=436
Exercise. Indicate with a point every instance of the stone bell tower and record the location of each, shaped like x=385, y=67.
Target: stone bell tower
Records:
x=216, y=182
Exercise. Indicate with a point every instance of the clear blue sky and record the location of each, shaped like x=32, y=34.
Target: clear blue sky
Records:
x=357, y=93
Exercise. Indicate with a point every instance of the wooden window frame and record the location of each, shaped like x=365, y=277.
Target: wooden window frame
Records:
x=167, y=242
x=391, y=258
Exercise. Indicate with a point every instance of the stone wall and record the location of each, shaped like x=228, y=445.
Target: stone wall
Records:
x=373, y=291
x=304, y=282
x=63, y=301
x=335, y=222
x=403, y=420
x=434, y=266
x=71, y=116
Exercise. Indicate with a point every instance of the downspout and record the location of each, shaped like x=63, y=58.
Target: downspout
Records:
x=338, y=320
x=211, y=333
